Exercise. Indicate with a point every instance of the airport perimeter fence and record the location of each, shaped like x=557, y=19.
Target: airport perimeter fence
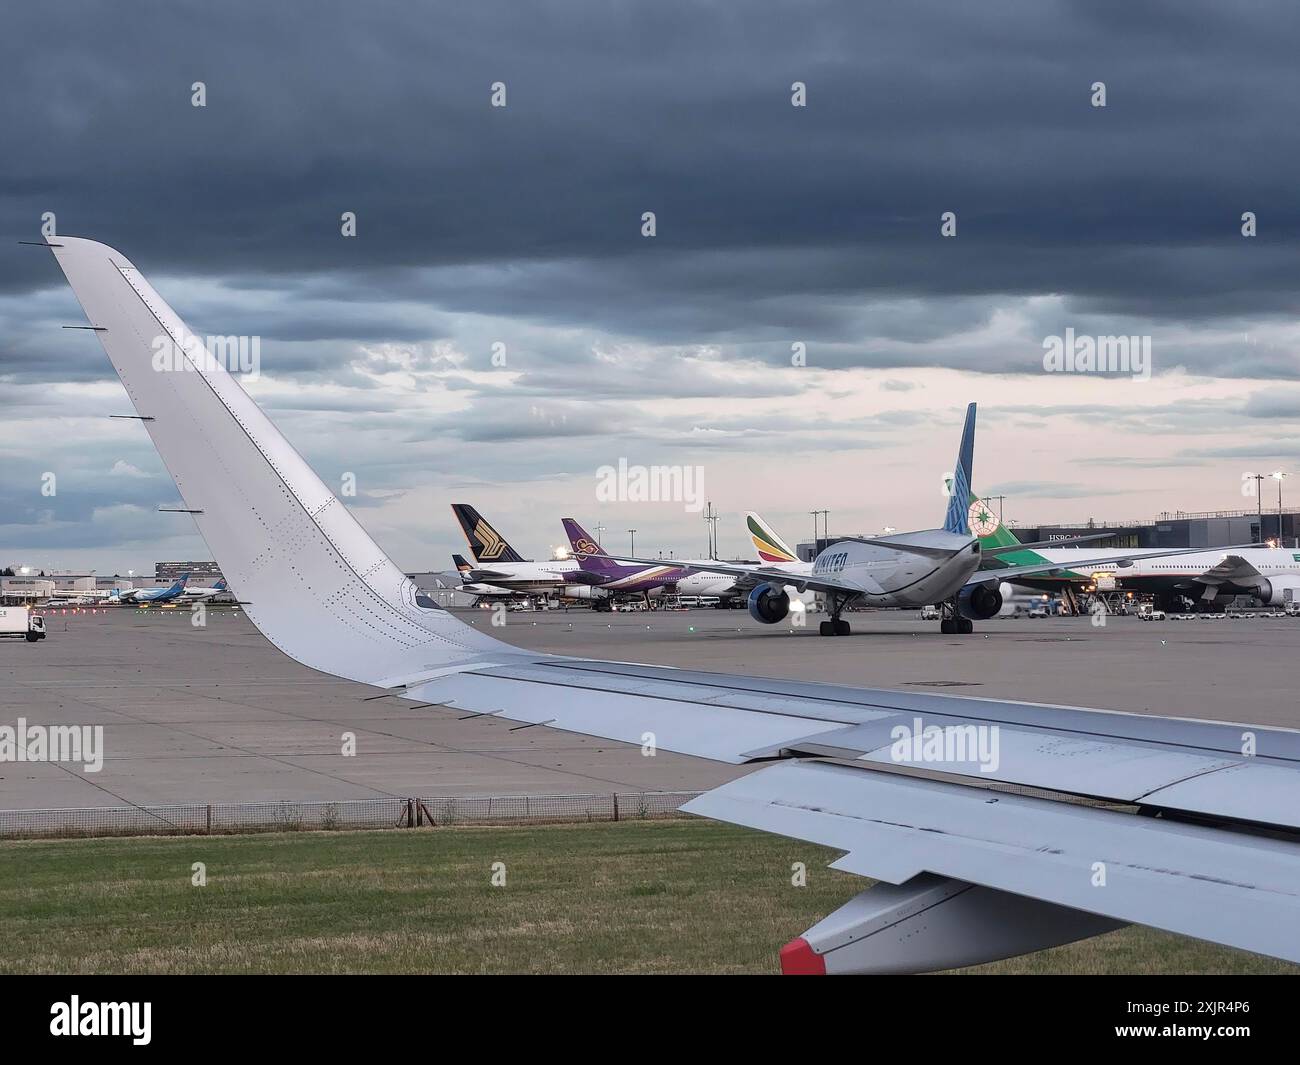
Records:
x=416, y=812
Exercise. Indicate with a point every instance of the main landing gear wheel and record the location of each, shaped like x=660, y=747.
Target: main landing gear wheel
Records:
x=956, y=626
x=834, y=628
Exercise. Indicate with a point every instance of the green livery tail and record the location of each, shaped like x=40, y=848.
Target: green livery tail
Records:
x=986, y=524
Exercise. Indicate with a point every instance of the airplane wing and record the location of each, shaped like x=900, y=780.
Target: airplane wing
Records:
x=803, y=580
x=1065, y=541
x=1232, y=570
x=1048, y=569
x=971, y=867
x=478, y=575
x=830, y=584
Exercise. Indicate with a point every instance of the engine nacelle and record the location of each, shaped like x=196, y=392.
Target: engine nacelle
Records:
x=1273, y=590
x=582, y=591
x=980, y=601
x=769, y=604
x=933, y=923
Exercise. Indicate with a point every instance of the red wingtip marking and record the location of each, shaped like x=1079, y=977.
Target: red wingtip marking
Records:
x=799, y=959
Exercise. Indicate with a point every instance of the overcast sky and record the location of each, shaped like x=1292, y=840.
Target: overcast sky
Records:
x=522, y=226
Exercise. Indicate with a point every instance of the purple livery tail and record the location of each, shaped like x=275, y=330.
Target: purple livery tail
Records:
x=591, y=556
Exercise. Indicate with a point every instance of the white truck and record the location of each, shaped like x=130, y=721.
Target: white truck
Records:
x=20, y=621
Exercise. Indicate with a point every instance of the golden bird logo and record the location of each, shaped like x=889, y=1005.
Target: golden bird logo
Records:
x=490, y=543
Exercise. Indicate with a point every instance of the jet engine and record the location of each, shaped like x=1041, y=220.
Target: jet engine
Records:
x=582, y=591
x=1272, y=590
x=980, y=601
x=768, y=604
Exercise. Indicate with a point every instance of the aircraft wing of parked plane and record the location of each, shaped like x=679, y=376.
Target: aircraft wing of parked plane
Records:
x=968, y=872
x=1007, y=573
x=802, y=576
x=1232, y=570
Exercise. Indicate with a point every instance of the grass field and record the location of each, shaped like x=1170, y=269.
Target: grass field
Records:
x=632, y=897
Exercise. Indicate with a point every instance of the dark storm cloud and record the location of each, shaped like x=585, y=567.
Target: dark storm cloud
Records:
x=682, y=109
x=520, y=226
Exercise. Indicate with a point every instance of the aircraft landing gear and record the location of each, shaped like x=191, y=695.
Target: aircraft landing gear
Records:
x=836, y=626
x=953, y=623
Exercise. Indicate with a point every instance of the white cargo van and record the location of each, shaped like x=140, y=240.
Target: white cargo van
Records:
x=20, y=621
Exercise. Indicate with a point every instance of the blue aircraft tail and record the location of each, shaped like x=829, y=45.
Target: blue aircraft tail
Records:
x=956, y=520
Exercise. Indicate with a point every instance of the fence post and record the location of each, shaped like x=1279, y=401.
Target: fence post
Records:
x=209, y=822
x=615, y=806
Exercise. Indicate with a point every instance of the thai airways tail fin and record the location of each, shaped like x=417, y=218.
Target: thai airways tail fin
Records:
x=485, y=543
x=591, y=556
x=770, y=547
x=957, y=518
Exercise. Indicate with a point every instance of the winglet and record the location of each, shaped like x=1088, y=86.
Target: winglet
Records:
x=325, y=593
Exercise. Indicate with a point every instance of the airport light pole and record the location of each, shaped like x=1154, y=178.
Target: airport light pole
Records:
x=600, y=528
x=711, y=519
x=825, y=514
x=1278, y=474
x=633, y=534
x=1259, y=500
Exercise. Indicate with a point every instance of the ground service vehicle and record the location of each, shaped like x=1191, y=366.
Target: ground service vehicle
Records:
x=20, y=621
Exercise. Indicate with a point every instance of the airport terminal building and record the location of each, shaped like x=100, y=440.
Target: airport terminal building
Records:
x=1204, y=529
x=1207, y=529
x=201, y=573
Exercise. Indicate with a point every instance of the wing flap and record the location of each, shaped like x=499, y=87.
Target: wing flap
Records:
x=1195, y=767
x=1241, y=891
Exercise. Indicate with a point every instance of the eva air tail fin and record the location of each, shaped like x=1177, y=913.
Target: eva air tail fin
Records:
x=770, y=547
x=986, y=524
x=956, y=520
